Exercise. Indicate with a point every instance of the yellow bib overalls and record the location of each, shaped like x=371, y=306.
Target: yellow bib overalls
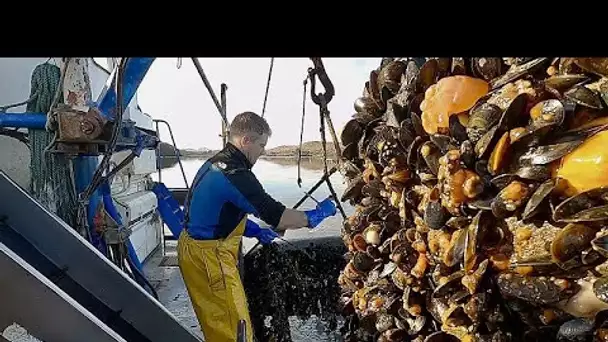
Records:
x=209, y=269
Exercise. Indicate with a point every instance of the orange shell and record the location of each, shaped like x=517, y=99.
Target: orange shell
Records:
x=451, y=95
x=586, y=167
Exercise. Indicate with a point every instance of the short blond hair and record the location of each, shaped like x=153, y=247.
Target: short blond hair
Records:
x=249, y=122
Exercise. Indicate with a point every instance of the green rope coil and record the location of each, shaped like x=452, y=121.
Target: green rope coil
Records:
x=51, y=180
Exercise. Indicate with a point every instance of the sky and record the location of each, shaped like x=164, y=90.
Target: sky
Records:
x=180, y=96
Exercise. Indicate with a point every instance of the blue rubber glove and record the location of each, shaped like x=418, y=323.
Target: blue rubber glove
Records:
x=265, y=236
x=324, y=209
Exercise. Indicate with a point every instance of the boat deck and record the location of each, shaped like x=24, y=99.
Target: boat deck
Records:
x=164, y=275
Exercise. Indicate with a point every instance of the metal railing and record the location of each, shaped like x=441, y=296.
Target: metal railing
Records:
x=159, y=158
x=175, y=150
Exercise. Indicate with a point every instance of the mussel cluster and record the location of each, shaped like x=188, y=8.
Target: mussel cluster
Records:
x=480, y=188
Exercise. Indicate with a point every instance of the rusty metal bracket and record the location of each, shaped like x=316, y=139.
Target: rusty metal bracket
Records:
x=111, y=231
x=78, y=126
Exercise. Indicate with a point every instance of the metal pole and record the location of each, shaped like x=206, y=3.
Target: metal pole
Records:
x=201, y=73
x=241, y=332
x=225, y=128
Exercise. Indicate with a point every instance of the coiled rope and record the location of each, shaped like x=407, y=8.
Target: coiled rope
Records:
x=52, y=183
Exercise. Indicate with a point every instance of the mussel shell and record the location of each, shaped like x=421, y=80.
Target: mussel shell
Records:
x=444, y=142
x=388, y=269
x=533, y=290
x=582, y=207
x=450, y=286
x=596, y=65
x=417, y=123
x=367, y=105
x=444, y=64
x=502, y=209
x=599, y=213
x=546, y=154
x=428, y=74
x=435, y=215
x=517, y=72
x=416, y=325
x=576, y=330
x=467, y=154
x=570, y=241
x=394, y=114
x=552, y=113
x=414, y=103
x=353, y=190
x=412, y=152
x=459, y=66
x=406, y=134
x=374, y=90
x=501, y=181
x=604, y=93
x=488, y=139
x=384, y=322
x=537, y=198
x=363, y=262
x=482, y=203
x=350, y=169
x=455, y=252
x=487, y=68
x=458, y=222
x=393, y=335
x=457, y=130
x=538, y=173
x=567, y=65
x=431, y=154
x=482, y=117
x=563, y=82
x=390, y=76
x=410, y=76
x=600, y=289
x=600, y=244
x=512, y=116
x=351, y=152
x=352, y=132
x=584, y=96
x=440, y=336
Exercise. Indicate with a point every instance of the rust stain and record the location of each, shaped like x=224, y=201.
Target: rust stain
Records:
x=72, y=98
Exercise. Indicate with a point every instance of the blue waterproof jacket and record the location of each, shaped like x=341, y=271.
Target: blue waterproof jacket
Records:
x=224, y=191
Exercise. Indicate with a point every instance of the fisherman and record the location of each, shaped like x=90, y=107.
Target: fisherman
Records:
x=224, y=191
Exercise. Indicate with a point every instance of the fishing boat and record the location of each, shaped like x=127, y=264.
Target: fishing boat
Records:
x=84, y=248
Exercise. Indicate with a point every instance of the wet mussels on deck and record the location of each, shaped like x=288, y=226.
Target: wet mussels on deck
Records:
x=481, y=195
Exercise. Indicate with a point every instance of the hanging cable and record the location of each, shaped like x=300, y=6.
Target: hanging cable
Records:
x=302, y=132
x=267, y=85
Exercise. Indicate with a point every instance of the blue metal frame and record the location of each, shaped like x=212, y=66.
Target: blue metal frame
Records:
x=23, y=120
x=132, y=138
x=135, y=71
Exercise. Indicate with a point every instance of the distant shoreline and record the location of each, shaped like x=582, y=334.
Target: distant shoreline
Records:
x=312, y=150
x=277, y=157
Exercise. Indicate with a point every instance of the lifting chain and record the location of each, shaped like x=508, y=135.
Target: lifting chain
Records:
x=322, y=100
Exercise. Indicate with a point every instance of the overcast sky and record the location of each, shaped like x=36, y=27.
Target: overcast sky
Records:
x=180, y=97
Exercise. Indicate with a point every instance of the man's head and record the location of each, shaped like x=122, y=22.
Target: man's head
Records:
x=250, y=132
